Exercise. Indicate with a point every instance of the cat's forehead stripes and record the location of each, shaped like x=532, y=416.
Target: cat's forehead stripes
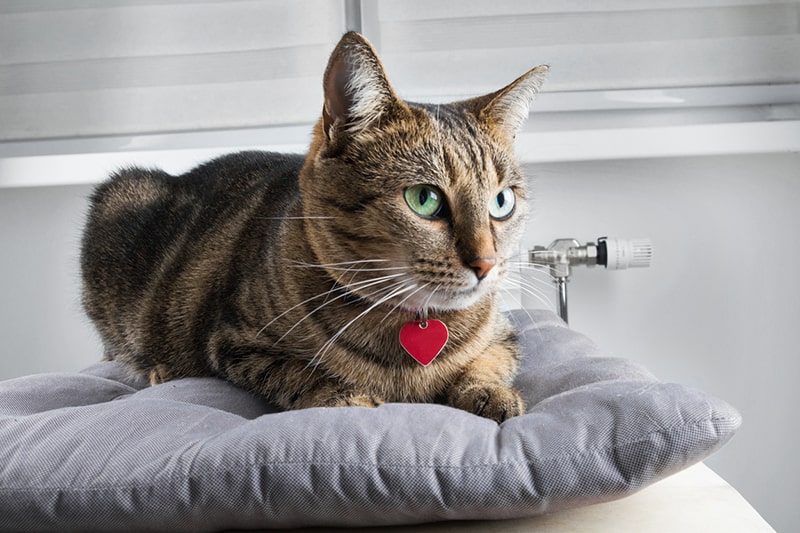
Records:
x=463, y=146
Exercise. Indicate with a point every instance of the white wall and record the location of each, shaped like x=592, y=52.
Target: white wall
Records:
x=42, y=326
x=718, y=309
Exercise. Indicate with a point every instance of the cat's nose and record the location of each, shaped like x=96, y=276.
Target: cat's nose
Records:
x=482, y=265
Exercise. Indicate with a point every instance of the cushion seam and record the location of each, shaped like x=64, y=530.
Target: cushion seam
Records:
x=398, y=466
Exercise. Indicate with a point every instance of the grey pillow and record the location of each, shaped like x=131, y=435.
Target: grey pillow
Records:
x=98, y=450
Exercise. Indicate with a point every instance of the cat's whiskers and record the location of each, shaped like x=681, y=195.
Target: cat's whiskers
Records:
x=523, y=258
x=524, y=265
x=513, y=296
x=540, y=284
x=527, y=312
x=428, y=301
x=337, y=264
x=350, y=282
x=348, y=265
x=381, y=269
x=527, y=288
x=345, y=288
x=295, y=218
x=403, y=301
x=536, y=273
x=355, y=261
x=314, y=361
x=345, y=292
x=403, y=288
x=534, y=280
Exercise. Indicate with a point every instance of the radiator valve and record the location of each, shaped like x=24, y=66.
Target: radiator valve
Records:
x=614, y=254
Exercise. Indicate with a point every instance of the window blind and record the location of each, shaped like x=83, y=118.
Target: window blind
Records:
x=452, y=47
x=89, y=85
x=76, y=68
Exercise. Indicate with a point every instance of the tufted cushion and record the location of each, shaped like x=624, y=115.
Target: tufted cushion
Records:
x=99, y=450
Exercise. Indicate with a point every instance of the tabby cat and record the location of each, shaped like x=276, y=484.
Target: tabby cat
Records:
x=292, y=276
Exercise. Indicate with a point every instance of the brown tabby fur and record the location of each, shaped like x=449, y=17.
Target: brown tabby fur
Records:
x=263, y=268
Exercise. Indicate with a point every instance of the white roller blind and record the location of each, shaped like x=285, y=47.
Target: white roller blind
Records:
x=73, y=68
x=452, y=47
x=87, y=86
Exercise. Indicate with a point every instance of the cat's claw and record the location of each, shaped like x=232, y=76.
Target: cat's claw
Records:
x=496, y=402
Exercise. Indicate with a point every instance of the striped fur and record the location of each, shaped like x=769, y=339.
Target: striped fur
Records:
x=291, y=276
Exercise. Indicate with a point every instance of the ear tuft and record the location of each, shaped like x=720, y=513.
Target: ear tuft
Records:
x=508, y=108
x=357, y=91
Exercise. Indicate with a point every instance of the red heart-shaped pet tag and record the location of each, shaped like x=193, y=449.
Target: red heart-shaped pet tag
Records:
x=423, y=343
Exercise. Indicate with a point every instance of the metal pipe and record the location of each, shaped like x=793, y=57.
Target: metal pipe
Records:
x=561, y=285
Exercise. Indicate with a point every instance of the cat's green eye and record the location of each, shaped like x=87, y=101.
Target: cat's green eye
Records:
x=502, y=206
x=425, y=200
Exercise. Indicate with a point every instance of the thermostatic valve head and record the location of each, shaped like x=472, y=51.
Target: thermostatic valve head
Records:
x=614, y=254
x=619, y=254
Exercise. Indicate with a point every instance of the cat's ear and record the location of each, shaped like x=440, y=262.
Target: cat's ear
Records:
x=357, y=91
x=507, y=109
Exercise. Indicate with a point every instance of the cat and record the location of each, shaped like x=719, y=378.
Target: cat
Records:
x=291, y=276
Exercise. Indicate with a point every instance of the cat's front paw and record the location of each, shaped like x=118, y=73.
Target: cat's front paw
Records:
x=358, y=400
x=489, y=400
x=333, y=394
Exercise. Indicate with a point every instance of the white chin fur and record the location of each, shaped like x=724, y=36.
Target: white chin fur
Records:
x=445, y=300
x=413, y=297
